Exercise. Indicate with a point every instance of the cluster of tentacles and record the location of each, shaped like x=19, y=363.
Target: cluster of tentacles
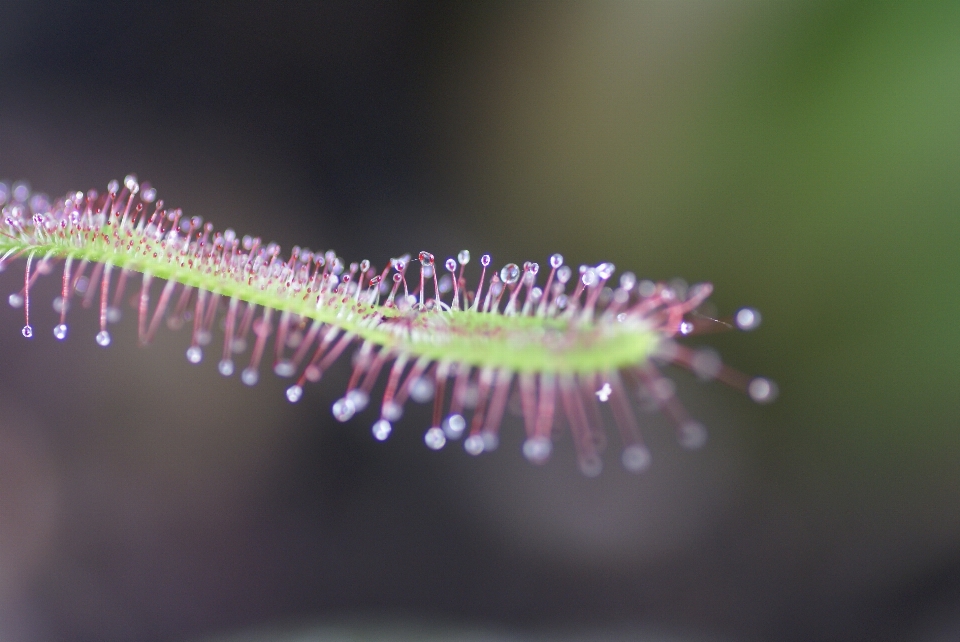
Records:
x=565, y=348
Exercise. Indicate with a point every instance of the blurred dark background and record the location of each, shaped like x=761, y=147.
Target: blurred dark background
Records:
x=802, y=156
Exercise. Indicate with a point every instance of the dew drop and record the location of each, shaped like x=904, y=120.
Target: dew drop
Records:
x=635, y=458
x=473, y=445
x=392, y=411
x=426, y=258
x=435, y=439
x=464, y=257
x=647, y=288
x=451, y=265
x=343, y=409
x=706, y=364
x=103, y=338
x=27, y=331
x=294, y=393
x=113, y=186
x=762, y=390
x=605, y=270
x=381, y=430
x=249, y=376
x=130, y=182
x=590, y=465
x=556, y=260
x=564, y=274
x=194, y=354
x=628, y=280
x=15, y=300
x=284, y=368
x=421, y=390
x=589, y=277
x=510, y=273
x=485, y=260
x=453, y=426
x=225, y=367
x=537, y=449
x=693, y=435
x=359, y=399
x=60, y=331
x=747, y=319
x=686, y=327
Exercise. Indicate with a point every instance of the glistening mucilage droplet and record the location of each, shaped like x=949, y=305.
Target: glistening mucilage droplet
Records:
x=468, y=343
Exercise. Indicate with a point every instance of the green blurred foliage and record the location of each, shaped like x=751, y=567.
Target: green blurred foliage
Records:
x=804, y=157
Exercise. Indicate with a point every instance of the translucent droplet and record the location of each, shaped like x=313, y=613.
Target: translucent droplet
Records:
x=510, y=273
x=381, y=430
x=250, y=376
x=15, y=300
x=103, y=338
x=113, y=315
x=589, y=277
x=692, y=435
x=359, y=399
x=635, y=458
x=225, y=367
x=294, y=393
x=435, y=439
x=762, y=390
x=537, y=449
x=646, y=288
x=130, y=182
x=284, y=368
x=421, y=390
x=464, y=257
x=21, y=191
x=343, y=409
x=485, y=260
x=590, y=465
x=686, y=327
x=564, y=274
x=453, y=426
x=194, y=354
x=606, y=270
x=706, y=364
x=113, y=186
x=27, y=331
x=60, y=331
x=747, y=319
x=392, y=411
x=473, y=445
x=451, y=265
x=426, y=258
x=556, y=260
x=628, y=280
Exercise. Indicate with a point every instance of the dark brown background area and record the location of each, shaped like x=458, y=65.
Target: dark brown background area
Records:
x=802, y=156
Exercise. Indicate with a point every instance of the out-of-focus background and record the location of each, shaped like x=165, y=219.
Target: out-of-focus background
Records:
x=802, y=156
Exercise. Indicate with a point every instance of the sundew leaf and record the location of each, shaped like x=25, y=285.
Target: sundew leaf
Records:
x=573, y=345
